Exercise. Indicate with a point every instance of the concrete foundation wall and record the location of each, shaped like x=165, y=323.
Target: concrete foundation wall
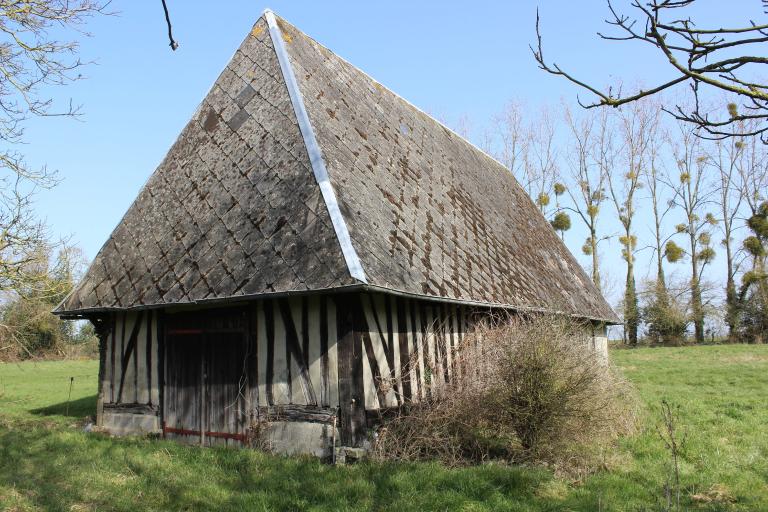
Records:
x=128, y=423
x=298, y=437
x=600, y=340
x=601, y=346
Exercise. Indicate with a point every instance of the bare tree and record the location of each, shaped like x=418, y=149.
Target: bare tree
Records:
x=663, y=314
x=463, y=126
x=541, y=172
x=693, y=193
x=638, y=126
x=514, y=139
x=591, y=156
x=540, y=169
x=32, y=60
x=528, y=150
x=754, y=289
x=660, y=207
x=752, y=168
x=725, y=158
x=27, y=325
x=723, y=59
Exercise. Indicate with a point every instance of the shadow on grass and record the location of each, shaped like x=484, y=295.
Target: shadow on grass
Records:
x=58, y=469
x=78, y=408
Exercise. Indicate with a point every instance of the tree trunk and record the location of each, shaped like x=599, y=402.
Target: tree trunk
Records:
x=630, y=301
x=661, y=280
x=697, y=311
x=731, y=296
x=595, y=266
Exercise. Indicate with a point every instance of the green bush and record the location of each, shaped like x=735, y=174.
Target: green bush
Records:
x=754, y=318
x=665, y=317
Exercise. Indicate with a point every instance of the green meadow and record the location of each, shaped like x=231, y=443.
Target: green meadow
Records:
x=47, y=461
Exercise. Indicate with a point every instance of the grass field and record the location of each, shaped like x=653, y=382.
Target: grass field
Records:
x=48, y=463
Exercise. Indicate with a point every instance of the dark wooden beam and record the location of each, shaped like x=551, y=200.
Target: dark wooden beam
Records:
x=112, y=359
x=402, y=339
x=373, y=364
x=148, y=359
x=325, y=394
x=350, y=356
x=253, y=359
x=134, y=408
x=269, y=327
x=444, y=338
x=415, y=334
x=308, y=413
x=161, y=363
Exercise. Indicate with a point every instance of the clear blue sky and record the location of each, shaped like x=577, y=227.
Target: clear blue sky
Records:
x=453, y=58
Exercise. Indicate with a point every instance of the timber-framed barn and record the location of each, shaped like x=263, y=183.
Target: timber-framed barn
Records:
x=307, y=234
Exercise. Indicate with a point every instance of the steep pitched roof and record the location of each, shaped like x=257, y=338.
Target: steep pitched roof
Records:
x=299, y=172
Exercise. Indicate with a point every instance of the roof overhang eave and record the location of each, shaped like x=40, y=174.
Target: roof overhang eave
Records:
x=85, y=313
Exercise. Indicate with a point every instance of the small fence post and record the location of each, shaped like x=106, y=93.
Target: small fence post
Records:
x=69, y=397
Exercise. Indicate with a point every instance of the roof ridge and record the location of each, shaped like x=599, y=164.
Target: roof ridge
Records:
x=354, y=265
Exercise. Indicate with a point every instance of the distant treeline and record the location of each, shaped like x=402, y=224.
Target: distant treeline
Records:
x=669, y=203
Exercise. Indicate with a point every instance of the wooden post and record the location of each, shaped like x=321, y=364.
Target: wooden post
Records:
x=253, y=398
x=102, y=326
x=350, y=349
x=203, y=387
x=161, y=370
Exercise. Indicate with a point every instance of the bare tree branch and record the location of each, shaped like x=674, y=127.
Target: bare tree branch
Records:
x=684, y=46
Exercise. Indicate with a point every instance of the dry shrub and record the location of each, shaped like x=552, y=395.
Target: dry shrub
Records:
x=525, y=390
x=257, y=435
x=717, y=494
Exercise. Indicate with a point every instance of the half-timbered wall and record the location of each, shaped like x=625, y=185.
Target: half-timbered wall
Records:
x=130, y=386
x=409, y=347
x=297, y=352
x=309, y=363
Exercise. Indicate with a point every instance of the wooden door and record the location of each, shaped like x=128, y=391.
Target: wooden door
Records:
x=206, y=398
x=226, y=388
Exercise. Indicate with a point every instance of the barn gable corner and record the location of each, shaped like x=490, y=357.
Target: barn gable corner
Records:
x=238, y=207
